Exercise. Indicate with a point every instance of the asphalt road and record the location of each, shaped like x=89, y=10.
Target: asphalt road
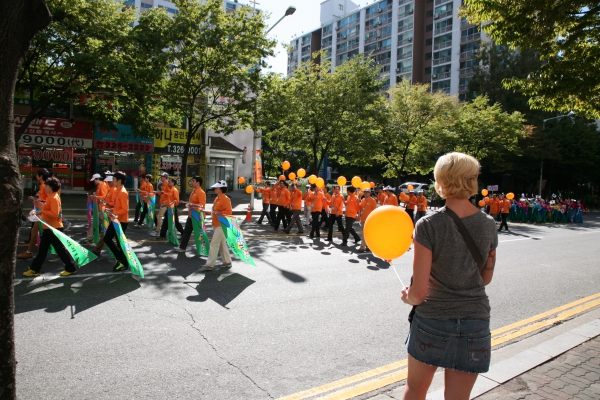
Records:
x=308, y=314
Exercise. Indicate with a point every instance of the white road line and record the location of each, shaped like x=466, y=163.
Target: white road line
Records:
x=585, y=233
x=46, y=278
x=515, y=240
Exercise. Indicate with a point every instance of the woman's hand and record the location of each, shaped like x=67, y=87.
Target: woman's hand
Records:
x=405, y=295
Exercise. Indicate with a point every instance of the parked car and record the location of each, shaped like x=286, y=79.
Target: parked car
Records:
x=416, y=186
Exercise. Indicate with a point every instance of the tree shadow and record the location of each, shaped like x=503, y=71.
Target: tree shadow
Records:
x=221, y=291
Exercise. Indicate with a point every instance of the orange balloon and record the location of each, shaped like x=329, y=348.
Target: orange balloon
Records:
x=312, y=179
x=484, y=192
x=291, y=176
x=356, y=181
x=285, y=165
x=486, y=200
x=365, y=185
x=321, y=182
x=249, y=189
x=372, y=184
x=510, y=196
x=301, y=173
x=341, y=181
x=404, y=196
x=411, y=187
x=282, y=177
x=388, y=232
x=481, y=203
x=241, y=180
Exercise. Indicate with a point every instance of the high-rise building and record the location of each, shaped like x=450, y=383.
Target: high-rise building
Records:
x=418, y=40
x=143, y=5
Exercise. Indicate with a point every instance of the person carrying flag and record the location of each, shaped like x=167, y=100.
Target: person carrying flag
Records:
x=140, y=204
x=266, y=202
x=38, y=201
x=221, y=206
x=366, y=207
x=109, y=201
x=164, y=201
x=173, y=202
x=119, y=210
x=147, y=194
x=296, y=205
x=101, y=192
x=197, y=202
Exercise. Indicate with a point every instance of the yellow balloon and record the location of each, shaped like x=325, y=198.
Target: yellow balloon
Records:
x=285, y=165
x=301, y=173
x=312, y=179
x=388, y=232
x=356, y=181
x=365, y=185
x=484, y=192
x=291, y=176
x=510, y=196
x=410, y=187
x=320, y=182
x=249, y=189
x=341, y=181
x=372, y=184
x=282, y=177
x=241, y=180
x=481, y=203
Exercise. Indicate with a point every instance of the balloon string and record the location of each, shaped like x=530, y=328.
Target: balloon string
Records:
x=403, y=285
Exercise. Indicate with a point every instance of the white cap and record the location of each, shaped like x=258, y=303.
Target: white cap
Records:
x=307, y=185
x=95, y=176
x=388, y=188
x=109, y=173
x=367, y=190
x=109, y=178
x=164, y=174
x=220, y=184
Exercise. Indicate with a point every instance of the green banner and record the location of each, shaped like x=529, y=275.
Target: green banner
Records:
x=134, y=264
x=200, y=235
x=171, y=231
x=151, y=211
x=95, y=228
x=235, y=239
x=80, y=254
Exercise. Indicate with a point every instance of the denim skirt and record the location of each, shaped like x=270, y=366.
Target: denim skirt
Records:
x=459, y=344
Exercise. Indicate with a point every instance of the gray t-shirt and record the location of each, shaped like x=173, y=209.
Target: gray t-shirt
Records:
x=456, y=289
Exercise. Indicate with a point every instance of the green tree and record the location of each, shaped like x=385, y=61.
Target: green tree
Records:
x=566, y=36
x=215, y=60
x=414, y=128
x=78, y=53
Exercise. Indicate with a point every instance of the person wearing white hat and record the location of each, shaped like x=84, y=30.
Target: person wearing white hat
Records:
x=307, y=197
x=109, y=201
x=101, y=191
x=391, y=200
x=164, y=190
x=221, y=206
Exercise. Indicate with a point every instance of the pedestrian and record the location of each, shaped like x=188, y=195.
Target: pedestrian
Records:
x=391, y=199
x=221, y=206
x=51, y=214
x=296, y=209
x=450, y=325
x=421, y=206
x=273, y=204
x=164, y=191
x=97, y=197
x=197, y=201
x=324, y=222
x=504, y=208
x=381, y=195
x=366, y=207
x=307, y=205
x=173, y=203
x=108, y=202
x=336, y=205
x=411, y=204
x=266, y=202
x=140, y=203
x=38, y=201
x=284, y=201
x=352, y=204
x=318, y=202
x=118, y=211
x=146, y=194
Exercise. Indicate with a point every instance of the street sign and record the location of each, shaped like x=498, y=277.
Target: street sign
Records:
x=492, y=188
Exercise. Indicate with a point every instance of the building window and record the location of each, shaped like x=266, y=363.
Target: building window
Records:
x=429, y=28
x=428, y=56
x=428, y=42
x=341, y=7
x=428, y=71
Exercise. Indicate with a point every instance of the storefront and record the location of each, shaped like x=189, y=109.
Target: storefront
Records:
x=224, y=161
x=58, y=144
x=122, y=149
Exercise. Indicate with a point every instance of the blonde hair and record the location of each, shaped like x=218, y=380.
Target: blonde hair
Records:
x=456, y=175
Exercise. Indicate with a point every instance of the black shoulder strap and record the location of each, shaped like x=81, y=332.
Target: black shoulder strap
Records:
x=466, y=236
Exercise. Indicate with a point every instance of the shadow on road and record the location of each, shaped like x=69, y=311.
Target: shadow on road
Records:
x=221, y=291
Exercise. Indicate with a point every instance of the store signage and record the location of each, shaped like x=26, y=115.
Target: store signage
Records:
x=55, y=155
x=122, y=146
x=121, y=138
x=56, y=128
x=171, y=136
x=492, y=188
x=179, y=149
x=50, y=141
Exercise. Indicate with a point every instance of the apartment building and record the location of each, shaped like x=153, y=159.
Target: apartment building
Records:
x=144, y=5
x=418, y=40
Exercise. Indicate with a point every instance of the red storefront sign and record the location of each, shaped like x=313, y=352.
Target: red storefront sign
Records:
x=123, y=146
x=56, y=132
x=55, y=155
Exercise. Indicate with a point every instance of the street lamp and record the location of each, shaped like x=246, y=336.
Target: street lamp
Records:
x=569, y=114
x=290, y=10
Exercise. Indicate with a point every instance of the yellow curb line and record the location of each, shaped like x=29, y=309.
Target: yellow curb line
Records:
x=378, y=382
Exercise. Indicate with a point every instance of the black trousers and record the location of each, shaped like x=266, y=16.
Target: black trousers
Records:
x=108, y=240
x=142, y=218
x=187, y=233
x=340, y=223
x=296, y=219
x=504, y=217
x=324, y=219
x=350, y=230
x=420, y=214
x=165, y=225
x=411, y=214
x=49, y=238
x=265, y=213
x=273, y=213
x=138, y=206
x=281, y=217
x=314, y=232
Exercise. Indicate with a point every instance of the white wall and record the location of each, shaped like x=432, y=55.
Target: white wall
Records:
x=330, y=9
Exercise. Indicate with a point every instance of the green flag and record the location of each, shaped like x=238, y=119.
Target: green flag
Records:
x=200, y=235
x=171, y=232
x=150, y=214
x=95, y=229
x=134, y=264
x=80, y=254
x=235, y=239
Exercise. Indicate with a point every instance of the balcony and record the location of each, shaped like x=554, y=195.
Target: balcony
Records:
x=352, y=46
x=403, y=14
x=372, y=39
x=402, y=2
x=444, y=29
x=443, y=14
x=463, y=88
x=405, y=41
x=405, y=55
x=466, y=71
x=442, y=60
x=405, y=28
x=468, y=54
x=443, y=75
x=469, y=38
x=305, y=53
x=442, y=45
x=404, y=70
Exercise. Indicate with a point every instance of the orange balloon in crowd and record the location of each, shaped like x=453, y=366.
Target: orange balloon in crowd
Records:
x=411, y=187
x=388, y=232
x=510, y=196
x=301, y=173
x=487, y=200
x=404, y=196
x=341, y=181
x=481, y=203
x=484, y=192
x=372, y=184
x=312, y=179
x=249, y=189
x=356, y=181
x=285, y=165
x=292, y=176
x=365, y=185
x=241, y=180
x=282, y=177
x=321, y=182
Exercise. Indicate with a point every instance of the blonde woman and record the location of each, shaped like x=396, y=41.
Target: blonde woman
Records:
x=451, y=326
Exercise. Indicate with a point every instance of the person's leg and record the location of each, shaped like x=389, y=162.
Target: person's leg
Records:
x=143, y=215
x=138, y=206
x=62, y=253
x=298, y=221
x=330, y=228
x=457, y=384
x=273, y=213
x=159, y=219
x=262, y=215
x=340, y=224
x=363, y=244
x=353, y=232
x=33, y=238
x=187, y=233
x=315, y=225
x=215, y=244
x=418, y=380
x=504, y=221
x=109, y=238
x=349, y=222
x=411, y=214
x=225, y=252
x=324, y=220
x=165, y=226
x=178, y=225
x=278, y=218
x=45, y=241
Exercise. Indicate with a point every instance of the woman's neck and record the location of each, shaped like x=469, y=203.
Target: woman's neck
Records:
x=462, y=207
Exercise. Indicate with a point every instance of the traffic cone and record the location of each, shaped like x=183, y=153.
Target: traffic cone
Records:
x=248, y=214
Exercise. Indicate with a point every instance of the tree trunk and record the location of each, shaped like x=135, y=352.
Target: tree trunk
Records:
x=20, y=20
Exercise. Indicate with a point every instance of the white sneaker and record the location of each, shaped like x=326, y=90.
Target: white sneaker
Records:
x=154, y=234
x=179, y=250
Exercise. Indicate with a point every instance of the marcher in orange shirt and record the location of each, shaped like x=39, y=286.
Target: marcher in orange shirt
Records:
x=494, y=205
x=391, y=199
x=221, y=206
x=352, y=204
x=120, y=212
x=140, y=202
x=317, y=200
x=307, y=205
x=38, y=202
x=173, y=202
x=164, y=201
x=296, y=198
x=324, y=223
x=284, y=201
x=146, y=194
x=336, y=205
x=197, y=201
x=266, y=202
x=411, y=205
x=366, y=207
x=421, y=206
x=504, y=205
x=107, y=202
x=101, y=192
x=381, y=196
x=274, y=204
x=51, y=214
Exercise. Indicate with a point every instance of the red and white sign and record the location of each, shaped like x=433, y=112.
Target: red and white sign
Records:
x=55, y=155
x=56, y=132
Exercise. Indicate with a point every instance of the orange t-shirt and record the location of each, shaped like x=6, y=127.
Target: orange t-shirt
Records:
x=110, y=197
x=307, y=197
x=121, y=208
x=337, y=204
x=174, y=196
x=164, y=197
x=274, y=195
x=504, y=206
x=296, y=199
x=285, y=197
x=494, y=205
x=42, y=194
x=422, y=203
x=391, y=200
x=198, y=196
x=266, y=194
x=382, y=198
x=222, y=205
x=317, y=202
x=367, y=205
x=52, y=211
x=351, y=205
x=412, y=202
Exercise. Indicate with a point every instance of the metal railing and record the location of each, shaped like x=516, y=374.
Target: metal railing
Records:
x=466, y=71
x=442, y=45
x=405, y=41
x=405, y=55
x=445, y=29
x=405, y=27
x=443, y=75
x=406, y=13
x=438, y=2
x=468, y=54
x=462, y=88
x=469, y=38
x=442, y=60
x=444, y=14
